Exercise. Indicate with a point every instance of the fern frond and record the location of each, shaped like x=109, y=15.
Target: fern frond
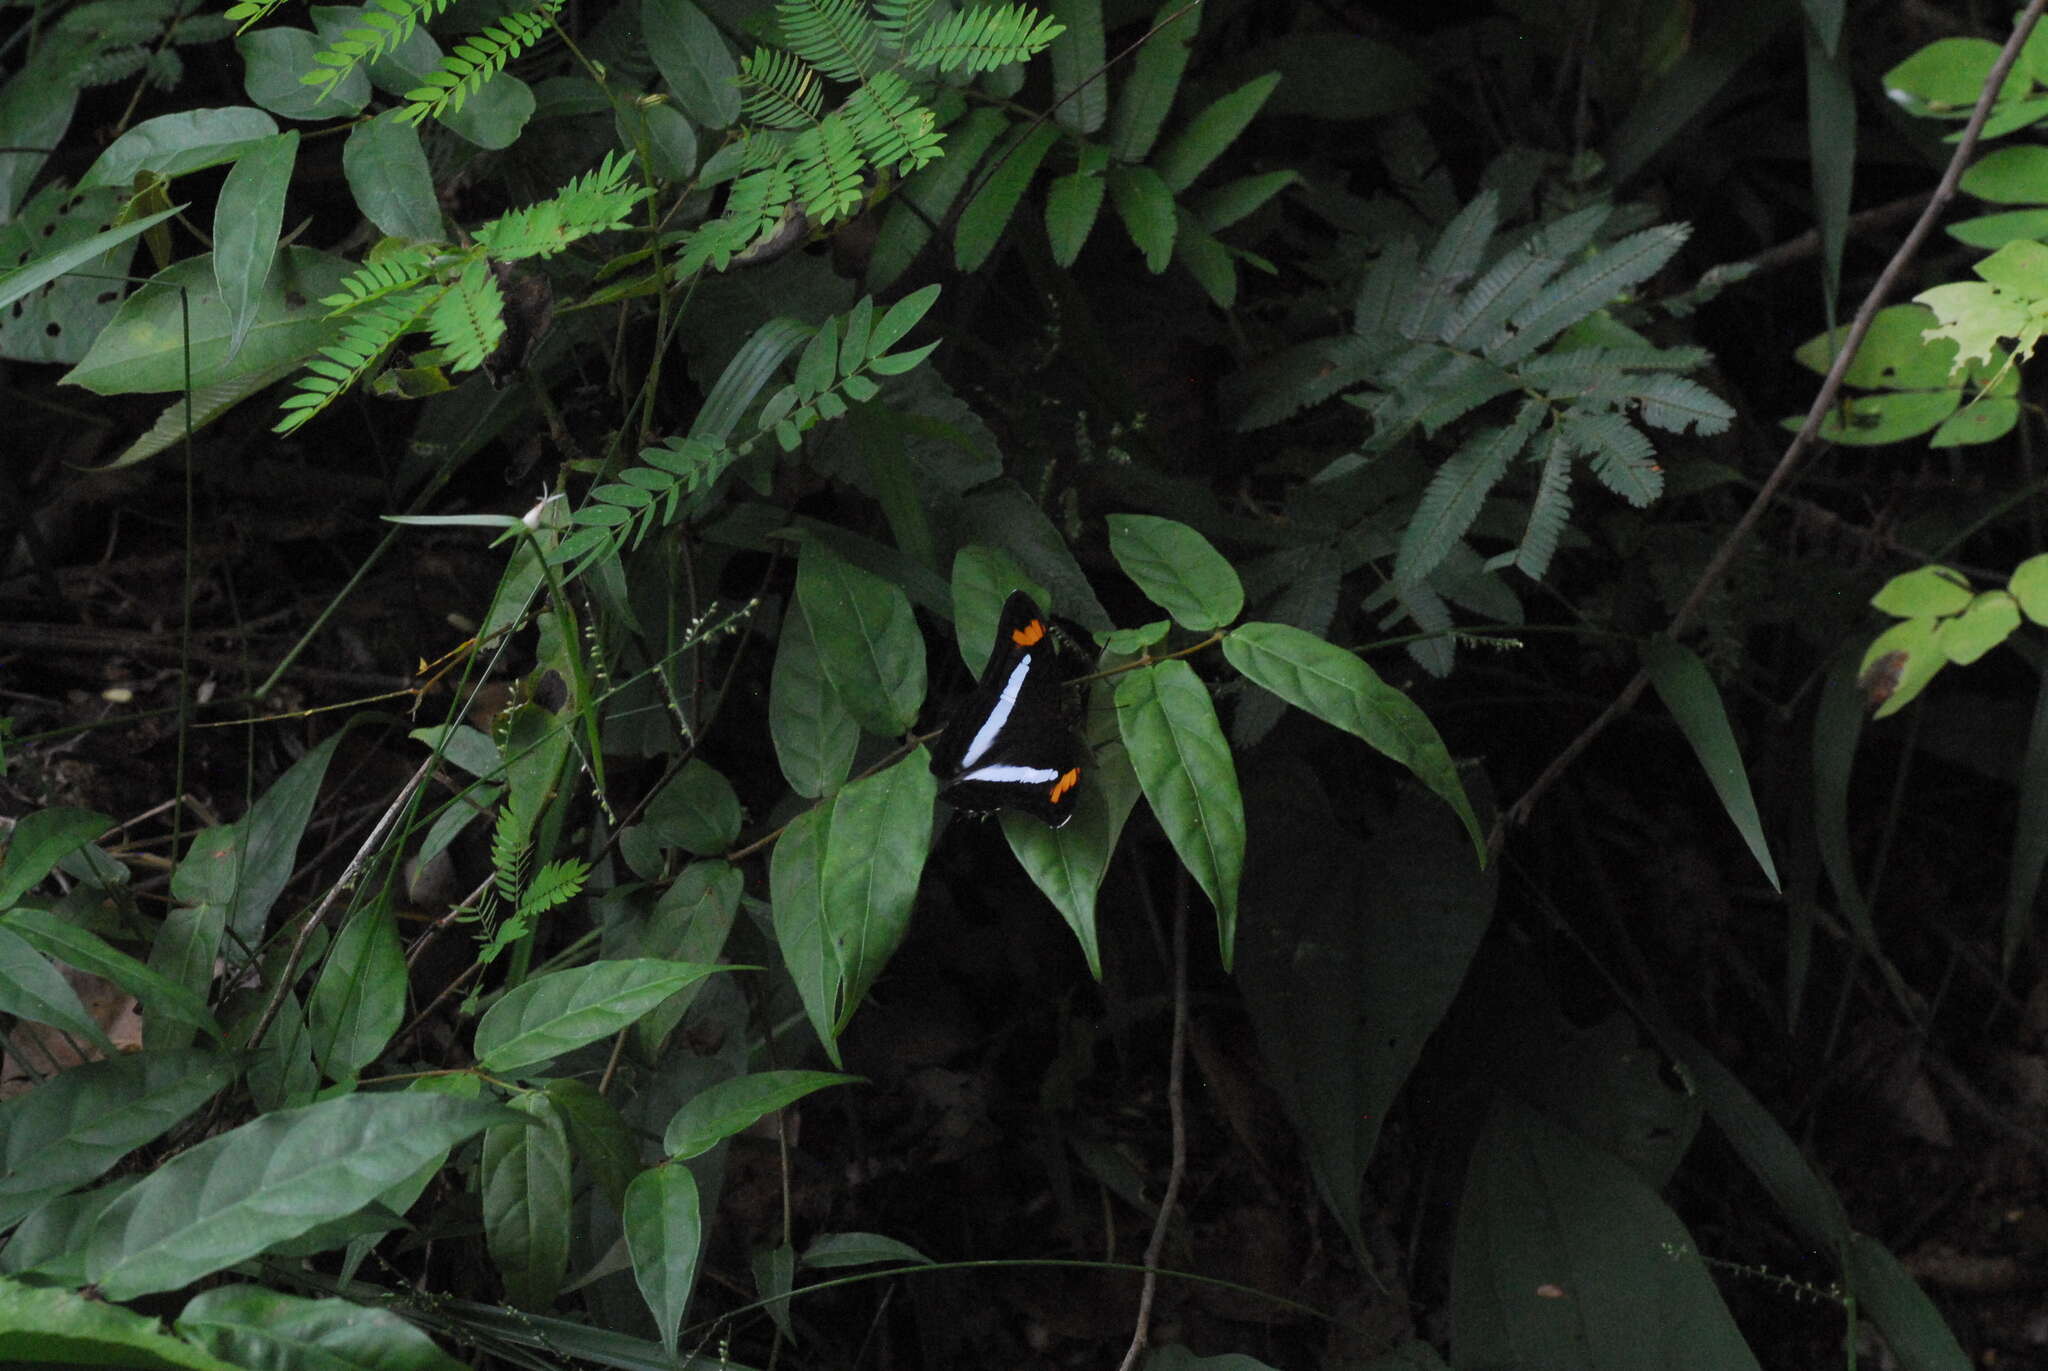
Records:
x=984, y=39
x=105, y=68
x=1452, y=259
x=392, y=271
x=1451, y=501
x=827, y=165
x=1589, y=286
x=368, y=333
x=554, y=884
x=896, y=131
x=599, y=201
x=1672, y=402
x=1550, y=510
x=382, y=27
x=104, y=24
x=1623, y=458
x=468, y=320
x=754, y=207
x=509, y=851
x=835, y=36
x=780, y=89
x=463, y=69
x=900, y=20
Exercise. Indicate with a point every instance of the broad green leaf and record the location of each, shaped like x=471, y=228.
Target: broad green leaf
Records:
x=525, y=1180
x=1831, y=148
x=75, y=1126
x=983, y=579
x=842, y=881
x=35, y=111
x=1181, y=759
x=270, y=1180
x=184, y=952
x=670, y=139
x=562, y=1010
x=1148, y=92
x=2009, y=176
x=664, y=1231
x=1895, y=354
x=774, y=1278
x=692, y=57
x=273, y=60
x=208, y=404
x=1565, y=1257
x=387, y=173
x=599, y=1137
x=172, y=145
x=715, y=1114
x=929, y=194
x=899, y=319
x=57, y=319
x=246, y=223
x=22, y=280
x=1338, y=688
x=359, y=1001
x=858, y=1249
x=1689, y=692
x=982, y=222
x=814, y=735
x=87, y=951
x=689, y=923
x=1145, y=205
x=43, y=1327
x=1072, y=203
x=1987, y=623
x=869, y=647
x=39, y=841
x=1899, y=664
x=1924, y=591
x=1914, y=1328
x=50, y=1242
x=1067, y=864
x=2029, y=586
x=1178, y=569
x=1230, y=202
x=31, y=988
x=696, y=811
x=1205, y=259
x=1080, y=86
x=1188, y=154
x=283, y=1072
x=144, y=348
x=1352, y=957
x=1948, y=74
x=251, y=1326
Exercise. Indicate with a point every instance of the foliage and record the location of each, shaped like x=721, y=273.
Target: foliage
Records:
x=679, y=757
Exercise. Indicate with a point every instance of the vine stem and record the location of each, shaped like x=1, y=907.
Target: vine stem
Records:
x=1176, y=1110
x=1796, y=450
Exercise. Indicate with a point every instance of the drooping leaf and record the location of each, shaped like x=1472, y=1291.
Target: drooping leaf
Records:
x=1688, y=691
x=1178, y=569
x=246, y=222
x=664, y=1231
x=814, y=735
x=249, y=1325
x=359, y=1001
x=869, y=647
x=388, y=175
x=1147, y=94
x=562, y=1010
x=731, y=1106
x=692, y=57
x=525, y=1178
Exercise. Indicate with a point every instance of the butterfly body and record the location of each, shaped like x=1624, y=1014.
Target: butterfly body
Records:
x=1010, y=746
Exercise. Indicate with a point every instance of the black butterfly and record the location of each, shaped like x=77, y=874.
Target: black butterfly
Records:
x=1010, y=746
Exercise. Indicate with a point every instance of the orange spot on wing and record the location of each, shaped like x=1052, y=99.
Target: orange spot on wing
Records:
x=1065, y=783
x=1029, y=634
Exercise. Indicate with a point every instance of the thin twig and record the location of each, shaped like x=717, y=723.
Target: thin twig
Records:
x=1176, y=1111
x=1823, y=401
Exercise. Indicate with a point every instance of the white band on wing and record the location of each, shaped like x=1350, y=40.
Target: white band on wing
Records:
x=992, y=727
x=1035, y=775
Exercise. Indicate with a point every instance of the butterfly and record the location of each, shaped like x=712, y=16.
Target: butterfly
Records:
x=1010, y=746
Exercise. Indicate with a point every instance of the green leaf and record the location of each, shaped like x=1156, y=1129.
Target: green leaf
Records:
x=63, y=1328
x=144, y=348
x=252, y=1326
x=1188, y=154
x=1183, y=763
x=36, y=112
x=1337, y=76
x=1338, y=688
x=774, y=1277
x=899, y=319
x=1072, y=203
x=77, y=1125
x=829, y=1250
x=814, y=735
x=982, y=222
x=600, y=1138
x=1178, y=569
x=1564, y=1256
x=246, y=223
x=1080, y=93
x=692, y=57
x=359, y=1001
x=718, y=1112
x=173, y=145
x=1145, y=205
x=388, y=175
x=18, y=283
x=664, y=1231
x=1452, y=500
x=273, y=60
x=39, y=841
x=1351, y=959
x=1234, y=200
x=1924, y=591
x=1154, y=80
x=1067, y=864
x=927, y=196
x=842, y=881
x=869, y=647
x=1688, y=691
x=35, y=990
x=270, y=1180
x=1947, y=75
x=1990, y=619
x=87, y=951
x=671, y=140
x=525, y=1178
x=183, y=953
x=562, y=1010
x=696, y=811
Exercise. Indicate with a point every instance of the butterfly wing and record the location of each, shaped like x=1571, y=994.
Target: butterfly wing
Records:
x=1010, y=747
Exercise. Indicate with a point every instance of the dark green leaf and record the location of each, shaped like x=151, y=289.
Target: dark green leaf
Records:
x=87, y=951
x=525, y=1180
x=562, y=1010
x=39, y=841
x=982, y=222
x=692, y=57
x=1145, y=204
x=696, y=811
x=1695, y=702
x=664, y=1231
x=246, y=223
x=388, y=175
x=815, y=736
x=64, y=1328
x=174, y=144
x=1080, y=92
x=251, y=1326
x=273, y=60
x=869, y=647
x=715, y=1114
x=1148, y=92
x=600, y=1138
x=858, y=1249
x=1178, y=569
x=1189, y=153
x=359, y=1001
